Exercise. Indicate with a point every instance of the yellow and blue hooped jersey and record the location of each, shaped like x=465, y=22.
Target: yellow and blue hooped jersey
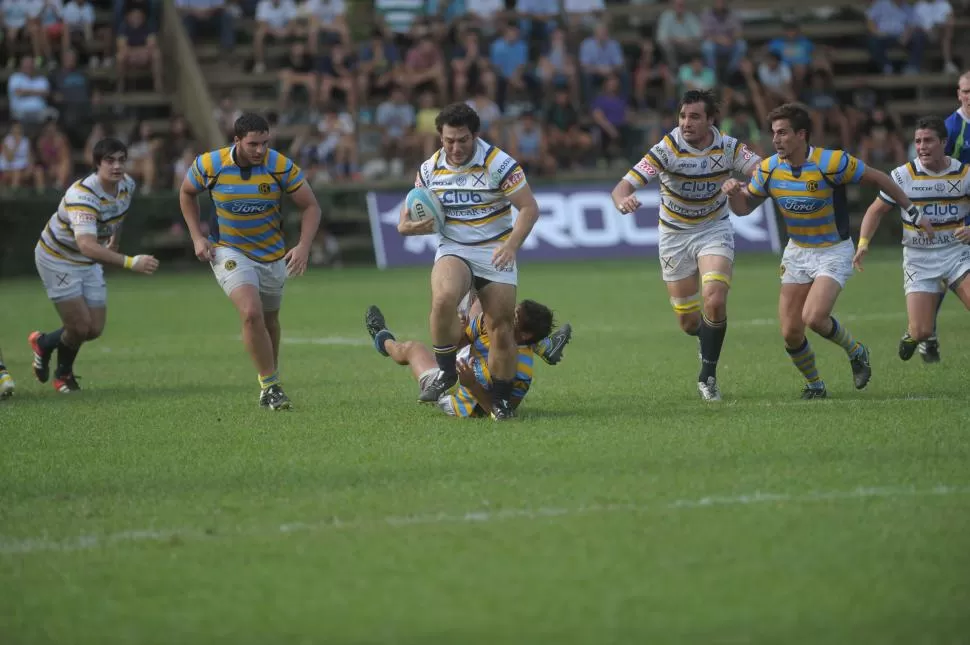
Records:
x=811, y=197
x=248, y=200
x=463, y=401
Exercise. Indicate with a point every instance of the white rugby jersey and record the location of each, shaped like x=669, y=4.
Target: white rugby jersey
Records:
x=85, y=209
x=941, y=197
x=475, y=196
x=691, y=179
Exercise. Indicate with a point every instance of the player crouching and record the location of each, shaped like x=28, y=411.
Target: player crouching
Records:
x=473, y=398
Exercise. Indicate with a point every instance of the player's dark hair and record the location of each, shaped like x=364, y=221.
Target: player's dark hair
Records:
x=106, y=148
x=706, y=97
x=934, y=123
x=796, y=114
x=458, y=115
x=534, y=319
x=250, y=122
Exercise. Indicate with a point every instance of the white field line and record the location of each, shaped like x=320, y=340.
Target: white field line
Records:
x=15, y=546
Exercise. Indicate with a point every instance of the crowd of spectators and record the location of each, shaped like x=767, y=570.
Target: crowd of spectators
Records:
x=551, y=80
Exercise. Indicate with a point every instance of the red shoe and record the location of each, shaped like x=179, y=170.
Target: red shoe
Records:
x=42, y=361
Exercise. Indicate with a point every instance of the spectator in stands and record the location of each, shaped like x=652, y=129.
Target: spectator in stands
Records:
x=424, y=69
x=20, y=23
x=28, y=93
x=72, y=96
x=652, y=78
x=488, y=111
x=377, y=67
x=397, y=16
x=557, y=67
x=141, y=155
x=510, y=58
x=214, y=16
x=863, y=101
x=795, y=50
x=180, y=169
x=567, y=141
x=55, y=165
x=174, y=142
x=776, y=81
x=881, y=143
x=527, y=145
x=486, y=16
x=225, y=115
x=891, y=22
x=275, y=19
x=537, y=20
x=695, y=75
x=338, y=146
x=470, y=67
x=15, y=158
x=78, y=29
x=827, y=114
x=600, y=57
x=50, y=27
x=138, y=48
x=338, y=74
x=935, y=18
x=742, y=126
x=678, y=33
x=582, y=14
x=396, y=117
x=328, y=22
x=723, y=46
x=298, y=71
x=611, y=118
x=99, y=131
x=425, y=129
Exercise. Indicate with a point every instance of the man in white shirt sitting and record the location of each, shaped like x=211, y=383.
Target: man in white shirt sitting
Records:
x=274, y=19
x=27, y=93
x=935, y=17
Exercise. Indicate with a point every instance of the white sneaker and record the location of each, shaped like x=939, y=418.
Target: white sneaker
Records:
x=6, y=384
x=709, y=390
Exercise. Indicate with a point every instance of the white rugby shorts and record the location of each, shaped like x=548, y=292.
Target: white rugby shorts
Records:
x=804, y=264
x=479, y=261
x=233, y=269
x=679, y=250
x=66, y=281
x=926, y=270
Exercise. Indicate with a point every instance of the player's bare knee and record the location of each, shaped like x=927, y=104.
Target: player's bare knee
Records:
x=252, y=315
x=818, y=321
x=501, y=333
x=715, y=302
x=690, y=323
x=94, y=332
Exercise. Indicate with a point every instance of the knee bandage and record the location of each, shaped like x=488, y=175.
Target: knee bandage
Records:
x=716, y=276
x=688, y=305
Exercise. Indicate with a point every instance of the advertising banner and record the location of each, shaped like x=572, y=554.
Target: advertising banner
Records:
x=576, y=222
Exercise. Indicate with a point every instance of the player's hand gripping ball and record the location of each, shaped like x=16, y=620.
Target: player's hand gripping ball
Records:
x=422, y=203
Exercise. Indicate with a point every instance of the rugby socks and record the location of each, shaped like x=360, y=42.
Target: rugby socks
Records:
x=65, y=359
x=446, y=356
x=501, y=390
x=712, y=340
x=543, y=347
x=269, y=380
x=48, y=342
x=841, y=337
x=804, y=359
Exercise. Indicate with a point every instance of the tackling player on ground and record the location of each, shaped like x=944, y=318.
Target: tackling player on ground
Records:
x=247, y=182
x=807, y=185
x=940, y=186
x=473, y=398
x=696, y=236
x=80, y=236
x=477, y=184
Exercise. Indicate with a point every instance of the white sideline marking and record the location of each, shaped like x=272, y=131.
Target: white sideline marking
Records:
x=13, y=546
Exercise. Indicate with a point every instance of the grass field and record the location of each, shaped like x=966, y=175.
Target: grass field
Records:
x=160, y=505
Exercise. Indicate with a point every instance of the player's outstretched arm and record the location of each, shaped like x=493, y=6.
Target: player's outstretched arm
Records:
x=885, y=183
x=89, y=247
x=625, y=197
x=297, y=257
x=740, y=199
x=870, y=224
x=189, y=204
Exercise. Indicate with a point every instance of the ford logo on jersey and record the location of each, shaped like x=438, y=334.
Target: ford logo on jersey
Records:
x=802, y=205
x=941, y=210
x=250, y=206
x=460, y=198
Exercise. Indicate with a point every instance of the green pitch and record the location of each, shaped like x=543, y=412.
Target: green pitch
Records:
x=160, y=505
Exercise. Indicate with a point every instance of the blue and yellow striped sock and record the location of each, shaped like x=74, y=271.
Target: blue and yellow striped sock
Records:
x=841, y=337
x=271, y=379
x=543, y=347
x=804, y=359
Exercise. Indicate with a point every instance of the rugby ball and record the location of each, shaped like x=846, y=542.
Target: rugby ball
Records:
x=423, y=203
